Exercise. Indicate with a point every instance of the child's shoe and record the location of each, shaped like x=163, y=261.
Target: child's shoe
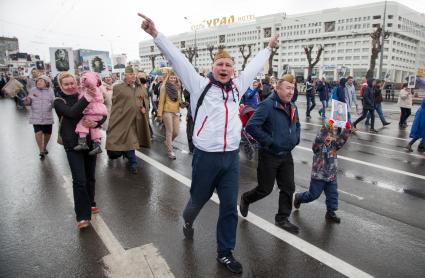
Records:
x=82, y=144
x=96, y=149
x=331, y=216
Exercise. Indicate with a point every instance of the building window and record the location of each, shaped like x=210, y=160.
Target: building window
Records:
x=267, y=32
x=330, y=26
x=376, y=17
x=376, y=25
x=390, y=16
x=390, y=25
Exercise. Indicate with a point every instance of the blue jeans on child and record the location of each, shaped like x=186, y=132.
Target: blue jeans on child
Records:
x=316, y=189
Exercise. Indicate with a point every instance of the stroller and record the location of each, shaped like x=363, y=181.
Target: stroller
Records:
x=247, y=141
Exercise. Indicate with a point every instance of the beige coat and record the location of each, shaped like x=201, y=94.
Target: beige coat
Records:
x=128, y=127
x=405, y=98
x=106, y=91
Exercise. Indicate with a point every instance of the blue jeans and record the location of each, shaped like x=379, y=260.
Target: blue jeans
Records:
x=378, y=108
x=216, y=171
x=316, y=189
x=322, y=110
x=131, y=156
x=311, y=103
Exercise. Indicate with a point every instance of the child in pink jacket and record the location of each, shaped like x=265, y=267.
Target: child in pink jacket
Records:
x=94, y=112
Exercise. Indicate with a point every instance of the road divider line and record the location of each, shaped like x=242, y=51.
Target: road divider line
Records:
x=300, y=244
x=143, y=261
x=389, y=169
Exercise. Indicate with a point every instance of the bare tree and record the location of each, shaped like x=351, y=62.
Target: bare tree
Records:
x=376, y=48
x=245, y=57
x=190, y=53
x=210, y=49
x=153, y=57
x=308, y=49
x=274, y=51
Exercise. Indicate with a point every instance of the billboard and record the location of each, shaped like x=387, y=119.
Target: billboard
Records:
x=93, y=60
x=61, y=59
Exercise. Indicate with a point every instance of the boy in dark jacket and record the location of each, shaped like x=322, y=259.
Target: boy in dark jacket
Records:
x=275, y=126
x=324, y=169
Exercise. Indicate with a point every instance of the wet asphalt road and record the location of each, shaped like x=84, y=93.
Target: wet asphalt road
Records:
x=381, y=205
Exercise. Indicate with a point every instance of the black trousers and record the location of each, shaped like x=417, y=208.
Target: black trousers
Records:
x=270, y=169
x=83, y=167
x=364, y=115
x=405, y=113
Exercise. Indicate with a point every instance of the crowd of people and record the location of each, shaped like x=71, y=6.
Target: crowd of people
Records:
x=124, y=109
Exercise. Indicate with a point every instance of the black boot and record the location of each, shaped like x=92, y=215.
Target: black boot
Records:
x=96, y=149
x=82, y=144
x=243, y=206
x=331, y=216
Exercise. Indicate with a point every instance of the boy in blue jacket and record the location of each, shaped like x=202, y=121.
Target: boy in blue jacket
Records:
x=324, y=169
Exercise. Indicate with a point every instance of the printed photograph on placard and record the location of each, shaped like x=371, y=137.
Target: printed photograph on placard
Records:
x=62, y=59
x=339, y=113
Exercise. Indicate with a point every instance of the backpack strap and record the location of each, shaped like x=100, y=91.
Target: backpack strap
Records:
x=200, y=100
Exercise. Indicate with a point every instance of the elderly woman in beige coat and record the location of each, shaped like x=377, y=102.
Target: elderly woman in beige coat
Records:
x=128, y=128
x=405, y=100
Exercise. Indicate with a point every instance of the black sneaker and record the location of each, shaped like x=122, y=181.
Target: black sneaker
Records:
x=231, y=263
x=296, y=201
x=287, y=226
x=386, y=123
x=331, y=216
x=372, y=130
x=243, y=206
x=188, y=231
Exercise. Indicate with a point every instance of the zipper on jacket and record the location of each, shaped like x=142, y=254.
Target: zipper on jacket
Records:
x=202, y=126
x=226, y=121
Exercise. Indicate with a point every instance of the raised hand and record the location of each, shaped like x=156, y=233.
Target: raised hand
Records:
x=273, y=43
x=148, y=26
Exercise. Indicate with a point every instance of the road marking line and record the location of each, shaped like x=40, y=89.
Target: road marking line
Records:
x=142, y=261
x=372, y=165
x=351, y=194
x=374, y=134
x=302, y=245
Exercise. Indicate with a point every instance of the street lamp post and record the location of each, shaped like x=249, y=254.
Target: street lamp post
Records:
x=194, y=29
x=381, y=58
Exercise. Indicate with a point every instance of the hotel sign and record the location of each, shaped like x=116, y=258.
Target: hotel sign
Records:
x=218, y=21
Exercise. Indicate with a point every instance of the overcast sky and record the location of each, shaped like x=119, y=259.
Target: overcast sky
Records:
x=114, y=25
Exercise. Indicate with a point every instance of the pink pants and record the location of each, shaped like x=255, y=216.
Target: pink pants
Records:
x=83, y=131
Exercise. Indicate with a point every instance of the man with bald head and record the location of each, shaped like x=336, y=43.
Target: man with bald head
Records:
x=276, y=127
x=216, y=136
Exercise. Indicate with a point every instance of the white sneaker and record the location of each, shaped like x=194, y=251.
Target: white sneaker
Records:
x=172, y=155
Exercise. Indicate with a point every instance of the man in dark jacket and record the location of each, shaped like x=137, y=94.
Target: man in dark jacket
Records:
x=309, y=94
x=276, y=127
x=368, y=106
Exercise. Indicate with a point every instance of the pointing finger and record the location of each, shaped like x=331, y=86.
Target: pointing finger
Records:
x=144, y=17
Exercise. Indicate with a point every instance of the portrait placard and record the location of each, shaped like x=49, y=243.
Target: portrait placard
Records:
x=339, y=113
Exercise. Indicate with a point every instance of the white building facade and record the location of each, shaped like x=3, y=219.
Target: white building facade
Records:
x=343, y=32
